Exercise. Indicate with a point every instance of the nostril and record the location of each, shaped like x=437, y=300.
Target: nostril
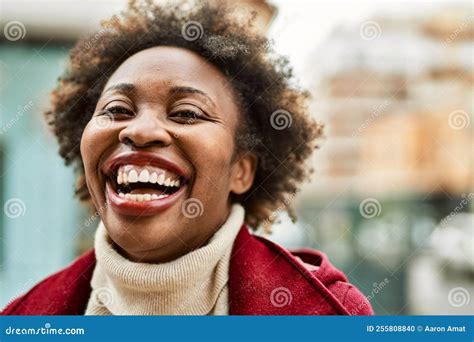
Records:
x=127, y=141
x=130, y=142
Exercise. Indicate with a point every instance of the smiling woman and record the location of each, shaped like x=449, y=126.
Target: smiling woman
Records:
x=184, y=144
x=147, y=135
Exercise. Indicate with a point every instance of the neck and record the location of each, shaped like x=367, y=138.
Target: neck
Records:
x=194, y=283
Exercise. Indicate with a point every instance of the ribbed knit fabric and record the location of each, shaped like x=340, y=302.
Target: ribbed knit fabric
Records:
x=194, y=284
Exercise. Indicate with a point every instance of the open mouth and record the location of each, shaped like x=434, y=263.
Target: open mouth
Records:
x=144, y=183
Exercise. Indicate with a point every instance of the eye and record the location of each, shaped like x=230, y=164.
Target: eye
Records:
x=187, y=116
x=117, y=110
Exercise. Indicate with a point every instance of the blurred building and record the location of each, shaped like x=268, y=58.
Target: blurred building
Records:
x=395, y=94
x=397, y=103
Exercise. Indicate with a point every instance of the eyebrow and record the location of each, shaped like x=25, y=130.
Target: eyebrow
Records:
x=177, y=90
x=124, y=87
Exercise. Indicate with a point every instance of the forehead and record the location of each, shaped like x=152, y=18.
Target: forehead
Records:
x=161, y=66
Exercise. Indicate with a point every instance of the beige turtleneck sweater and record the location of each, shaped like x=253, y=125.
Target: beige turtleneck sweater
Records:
x=193, y=284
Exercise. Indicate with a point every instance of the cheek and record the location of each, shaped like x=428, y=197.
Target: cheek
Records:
x=211, y=155
x=95, y=140
x=87, y=140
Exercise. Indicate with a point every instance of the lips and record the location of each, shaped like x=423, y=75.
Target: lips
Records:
x=143, y=183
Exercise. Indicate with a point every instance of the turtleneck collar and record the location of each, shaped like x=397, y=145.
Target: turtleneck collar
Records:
x=193, y=284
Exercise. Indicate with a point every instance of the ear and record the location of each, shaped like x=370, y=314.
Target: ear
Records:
x=242, y=172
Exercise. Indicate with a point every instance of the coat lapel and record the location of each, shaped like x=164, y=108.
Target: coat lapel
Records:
x=265, y=279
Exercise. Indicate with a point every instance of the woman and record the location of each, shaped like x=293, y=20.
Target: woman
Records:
x=186, y=133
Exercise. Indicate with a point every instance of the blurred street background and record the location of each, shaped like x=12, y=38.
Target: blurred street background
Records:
x=392, y=197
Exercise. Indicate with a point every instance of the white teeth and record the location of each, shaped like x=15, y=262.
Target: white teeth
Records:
x=175, y=182
x=144, y=176
x=161, y=179
x=142, y=197
x=132, y=176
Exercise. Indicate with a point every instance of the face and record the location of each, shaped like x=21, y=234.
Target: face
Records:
x=159, y=154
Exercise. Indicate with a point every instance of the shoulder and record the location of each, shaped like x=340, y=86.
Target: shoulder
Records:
x=351, y=298
x=64, y=293
x=277, y=281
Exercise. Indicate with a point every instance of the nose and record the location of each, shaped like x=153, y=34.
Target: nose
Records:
x=144, y=130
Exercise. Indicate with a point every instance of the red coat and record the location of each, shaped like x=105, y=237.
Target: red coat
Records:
x=264, y=279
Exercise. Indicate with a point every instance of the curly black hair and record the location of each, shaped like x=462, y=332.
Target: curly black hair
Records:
x=276, y=128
